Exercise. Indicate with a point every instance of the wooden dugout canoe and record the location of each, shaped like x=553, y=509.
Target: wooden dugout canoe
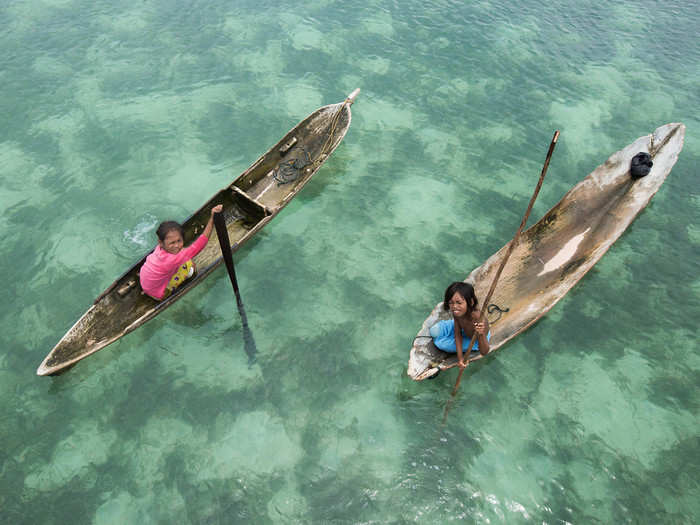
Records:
x=552, y=255
x=250, y=202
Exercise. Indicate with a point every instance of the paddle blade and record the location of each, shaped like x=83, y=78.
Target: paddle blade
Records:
x=225, y=243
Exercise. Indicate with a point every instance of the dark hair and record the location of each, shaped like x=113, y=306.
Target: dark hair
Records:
x=466, y=290
x=168, y=226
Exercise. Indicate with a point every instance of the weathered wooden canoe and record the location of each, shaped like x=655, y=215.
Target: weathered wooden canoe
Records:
x=552, y=255
x=250, y=202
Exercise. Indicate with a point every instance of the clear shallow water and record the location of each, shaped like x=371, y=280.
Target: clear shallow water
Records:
x=118, y=115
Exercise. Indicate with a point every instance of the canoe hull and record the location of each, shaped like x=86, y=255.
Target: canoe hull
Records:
x=251, y=201
x=556, y=252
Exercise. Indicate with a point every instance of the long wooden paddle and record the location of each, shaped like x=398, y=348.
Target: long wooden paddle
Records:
x=511, y=246
x=225, y=243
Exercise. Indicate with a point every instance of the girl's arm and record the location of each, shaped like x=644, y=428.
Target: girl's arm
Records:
x=198, y=245
x=482, y=328
x=210, y=224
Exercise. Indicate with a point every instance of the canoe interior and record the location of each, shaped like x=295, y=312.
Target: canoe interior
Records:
x=556, y=252
x=249, y=202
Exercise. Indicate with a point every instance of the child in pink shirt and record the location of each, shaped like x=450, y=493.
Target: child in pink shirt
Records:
x=170, y=264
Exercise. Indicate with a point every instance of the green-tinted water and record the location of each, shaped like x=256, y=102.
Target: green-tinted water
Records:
x=117, y=115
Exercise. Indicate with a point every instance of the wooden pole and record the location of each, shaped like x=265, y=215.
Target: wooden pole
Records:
x=225, y=243
x=511, y=246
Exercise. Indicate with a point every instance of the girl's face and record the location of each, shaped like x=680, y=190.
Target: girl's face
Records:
x=173, y=242
x=458, y=306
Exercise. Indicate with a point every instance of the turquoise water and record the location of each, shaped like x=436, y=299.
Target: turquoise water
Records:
x=117, y=115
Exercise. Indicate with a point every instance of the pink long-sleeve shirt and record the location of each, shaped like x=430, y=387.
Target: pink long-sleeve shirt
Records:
x=160, y=266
